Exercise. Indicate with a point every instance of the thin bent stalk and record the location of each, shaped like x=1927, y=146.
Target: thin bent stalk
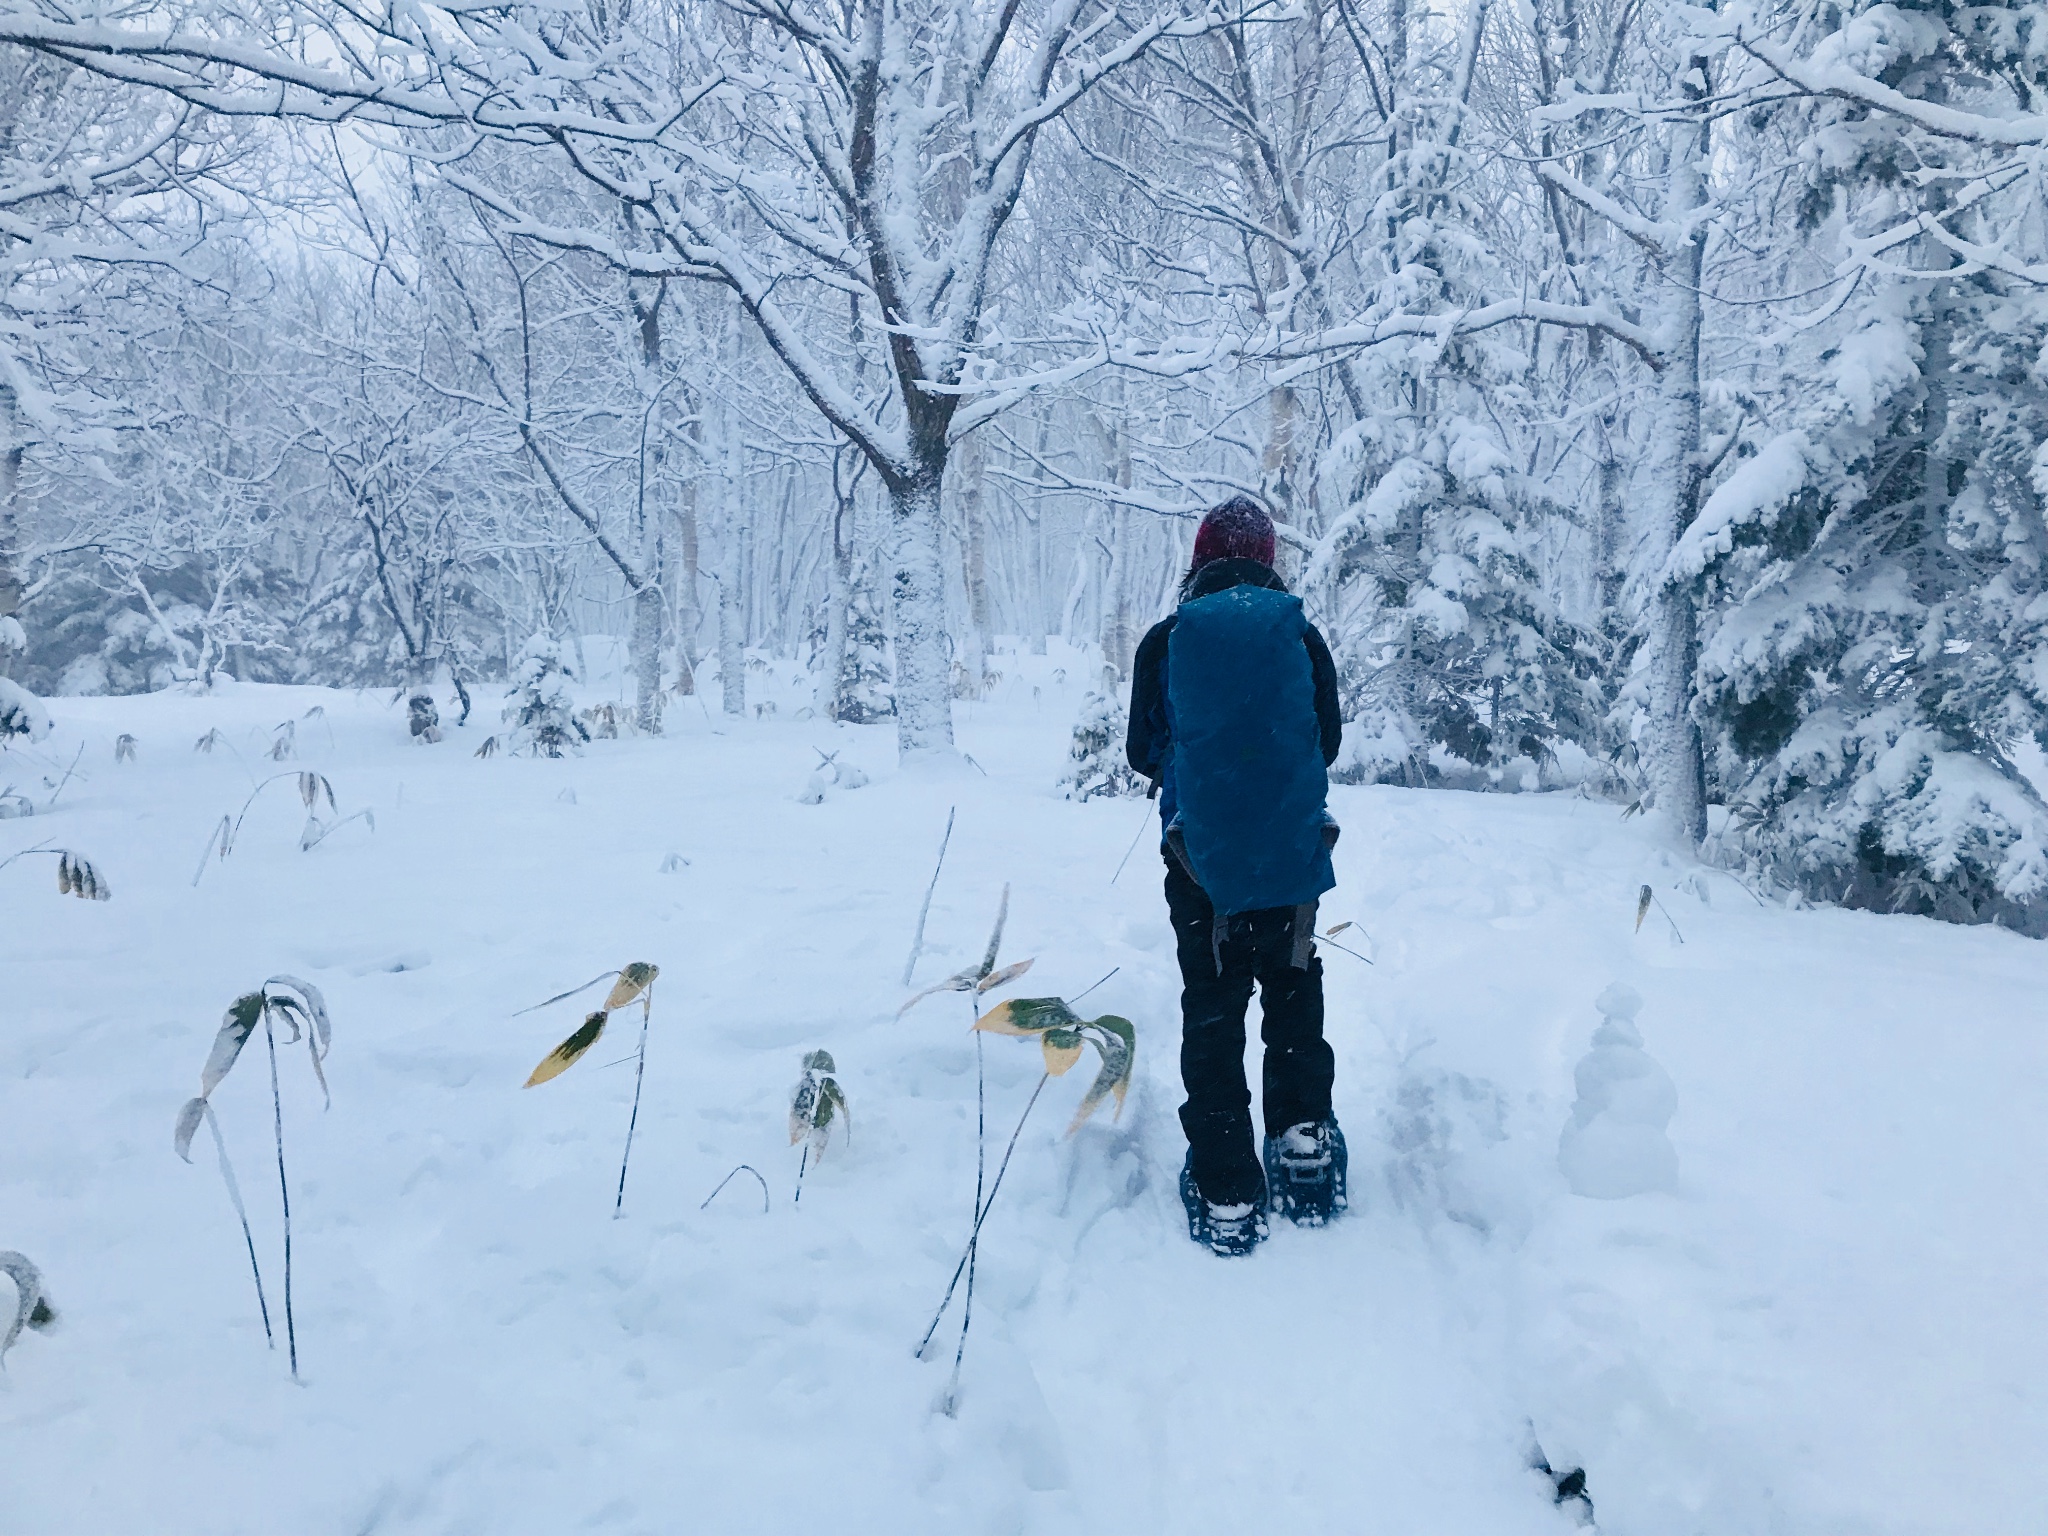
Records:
x=1001, y=1168
x=743, y=1168
x=801, y=1164
x=639, y=1076
x=980, y=1162
x=227, y=1174
x=284, y=1191
x=925, y=911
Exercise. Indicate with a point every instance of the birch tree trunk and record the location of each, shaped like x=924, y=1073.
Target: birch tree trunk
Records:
x=732, y=582
x=974, y=550
x=831, y=683
x=924, y=702
x=643, y=646
x=11, y=584
x=1674, y=485
x=689, y=603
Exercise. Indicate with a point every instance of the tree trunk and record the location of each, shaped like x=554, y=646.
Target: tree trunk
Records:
x=1119, y=635
x=831, y=680
x=732, y=623
x=12, y=580
x=924, y=704
x=689, y=601
x=1041, y=603
x=643, y=647
x=1673, y=501
x=974, y=549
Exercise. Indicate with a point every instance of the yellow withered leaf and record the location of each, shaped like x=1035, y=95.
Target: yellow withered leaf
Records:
x=633, y=980
x=569, y=1052
x=1062, y=1050
x=1334, y=929
x=1643, y=900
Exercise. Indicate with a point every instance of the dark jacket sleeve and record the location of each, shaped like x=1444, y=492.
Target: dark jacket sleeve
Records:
x=1324, y=670
x=1147, y=743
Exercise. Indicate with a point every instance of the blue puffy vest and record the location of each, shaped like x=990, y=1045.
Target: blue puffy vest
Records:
x=1247, y=772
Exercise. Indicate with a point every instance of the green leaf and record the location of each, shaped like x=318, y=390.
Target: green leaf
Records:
x=1116, y=1039
x=1028, y=1016
x=242, y=1017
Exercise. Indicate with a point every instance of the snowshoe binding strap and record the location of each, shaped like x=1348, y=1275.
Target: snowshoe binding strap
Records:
x=1306, y=1169
x=1230, y=1231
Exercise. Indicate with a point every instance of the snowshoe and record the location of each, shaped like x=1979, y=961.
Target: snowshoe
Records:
x=1229, y=1230
x=1305, y=1171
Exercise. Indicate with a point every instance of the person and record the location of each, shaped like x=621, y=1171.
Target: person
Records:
x=1234, y=719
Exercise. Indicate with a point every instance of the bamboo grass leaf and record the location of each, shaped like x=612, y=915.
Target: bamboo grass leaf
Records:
x=995, y=939
x=832, y=1100
x=320, y=1031
x=242, y=1017
x=1062, y=1049
x=313, y=787
x=288, y=1009
x=1643, y=906
x=1028, y=1016
x=76, y=876
x=803, y=1108
x=1117, y=1041
x=815, y=1104
x=1006, y=975
x=188, y=1126
x=959, y=981
x=633, y=981
x=569, y=1052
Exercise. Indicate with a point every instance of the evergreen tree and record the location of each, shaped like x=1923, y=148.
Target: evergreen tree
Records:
x=865, y=695
x=1096, y=764
x=542, y=714
x=1875, y=573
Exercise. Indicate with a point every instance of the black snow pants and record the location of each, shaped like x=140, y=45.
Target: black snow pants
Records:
x=1216, y=987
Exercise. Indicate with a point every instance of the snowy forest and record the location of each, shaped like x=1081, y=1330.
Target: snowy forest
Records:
x=1651, y=396
x=696, y=491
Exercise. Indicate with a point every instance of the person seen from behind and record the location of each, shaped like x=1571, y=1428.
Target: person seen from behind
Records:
x=1234, y=719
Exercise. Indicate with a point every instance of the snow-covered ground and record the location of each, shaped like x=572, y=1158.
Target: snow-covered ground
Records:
x=1837, y=1321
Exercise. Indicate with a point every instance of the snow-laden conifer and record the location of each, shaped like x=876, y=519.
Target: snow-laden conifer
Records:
x=540, y=709
x=1096, y=765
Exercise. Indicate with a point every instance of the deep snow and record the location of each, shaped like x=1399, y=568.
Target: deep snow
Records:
x=1836, y=1323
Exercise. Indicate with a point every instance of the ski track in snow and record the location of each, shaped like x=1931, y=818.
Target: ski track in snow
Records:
x=1838, y=1322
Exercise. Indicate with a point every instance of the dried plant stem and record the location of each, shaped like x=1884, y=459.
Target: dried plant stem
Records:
x=743, y=1168
x=1143, y=822
x=1086, y=990
x=284, y=1191
x=639, y=1076
x=1001, y=1168
x=66, y=779
x=801, y=1164
x=917, y=941
x=227, y=1174
x=980, y=1165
